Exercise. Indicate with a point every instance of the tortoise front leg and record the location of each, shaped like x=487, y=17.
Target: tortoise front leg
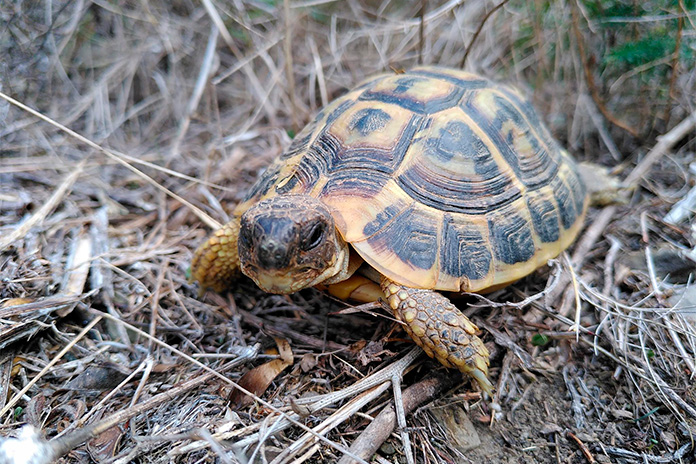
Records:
x=216, y=261
x=438, y=327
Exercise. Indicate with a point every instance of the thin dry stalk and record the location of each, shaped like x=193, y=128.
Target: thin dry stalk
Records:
x=41, y=214
x=10, y=404
x=119, y=159
x=478, y=32
x=589, y=76
x=289, y=69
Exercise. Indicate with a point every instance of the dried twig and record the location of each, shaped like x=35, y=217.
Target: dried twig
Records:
x=204, y=74
x=46, y=208
x=401, y=417
x=289, y=70
x=673, y=457
x=49, y=365
x=118, y=158
x=589, y=76
x=664, y=144
x=576, y=398
x=382, y=426
x=345, y=412
x=315, y=403
x=585, y=450
x=478, y=31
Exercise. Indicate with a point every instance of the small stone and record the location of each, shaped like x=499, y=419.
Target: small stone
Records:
x=458, y=425
x=387, y=448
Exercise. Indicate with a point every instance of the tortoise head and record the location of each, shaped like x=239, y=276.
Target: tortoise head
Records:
x=289, y=242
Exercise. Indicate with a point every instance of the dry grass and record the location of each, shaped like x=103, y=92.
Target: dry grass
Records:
x=179, y=105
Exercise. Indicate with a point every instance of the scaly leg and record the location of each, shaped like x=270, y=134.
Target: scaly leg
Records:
x=216, y=261
x=438, y=327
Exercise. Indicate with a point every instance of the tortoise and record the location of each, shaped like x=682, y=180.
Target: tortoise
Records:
x=411, y=184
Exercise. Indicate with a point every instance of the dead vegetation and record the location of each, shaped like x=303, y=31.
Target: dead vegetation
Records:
x=110, y=354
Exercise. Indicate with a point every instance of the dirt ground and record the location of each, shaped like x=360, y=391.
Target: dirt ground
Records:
x=130, y=130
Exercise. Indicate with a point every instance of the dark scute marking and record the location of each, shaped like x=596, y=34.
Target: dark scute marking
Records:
x=540, y=166
x=382, y=219
x=289, y=184
x=533, y=170
x=544, y=219
x=404, y=84
x=359, y=182
x=566, y=204
x=530, y=113
x=505, y=112
x=465, y=84
x=458, y=140
x=368, y=120
x=317, y=158
x=463, y=252
x=511, y=238
x=417, y=106
x=404, y=102
x=412, y=236
x=381, y=160
x=439, y=104
x=456, y=194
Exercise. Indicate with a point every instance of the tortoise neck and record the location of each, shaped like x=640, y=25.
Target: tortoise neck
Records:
x=347, y=263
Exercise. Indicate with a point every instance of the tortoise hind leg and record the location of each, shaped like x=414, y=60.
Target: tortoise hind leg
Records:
x=216, y=261
x=438, y=327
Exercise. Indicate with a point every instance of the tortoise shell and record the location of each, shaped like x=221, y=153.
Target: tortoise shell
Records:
x=439, y=179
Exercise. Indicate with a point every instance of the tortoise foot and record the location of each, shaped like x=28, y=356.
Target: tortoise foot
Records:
x=438, y=327
x=215, y=263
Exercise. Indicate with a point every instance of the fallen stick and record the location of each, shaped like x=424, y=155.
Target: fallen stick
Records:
x=663, y=145
x=383, y=425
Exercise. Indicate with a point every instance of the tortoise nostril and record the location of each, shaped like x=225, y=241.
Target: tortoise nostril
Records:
x=273, y=255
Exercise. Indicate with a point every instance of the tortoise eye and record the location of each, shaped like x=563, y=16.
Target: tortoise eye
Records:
x=312, y=236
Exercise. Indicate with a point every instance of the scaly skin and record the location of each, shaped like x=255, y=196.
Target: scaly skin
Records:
x=216, y=262
x=438, y=327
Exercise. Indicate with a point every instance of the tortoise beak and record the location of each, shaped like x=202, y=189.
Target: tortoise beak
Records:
x=281, y=282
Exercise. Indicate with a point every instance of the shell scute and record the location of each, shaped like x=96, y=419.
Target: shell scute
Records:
x=450, y=167
x=415, y=93
x=373, y=136
x=358, y=201
x=513, y=136
x=465, y=252
x=411, y=235
x=565, y=201
x=544, y=216
x=511, y=236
